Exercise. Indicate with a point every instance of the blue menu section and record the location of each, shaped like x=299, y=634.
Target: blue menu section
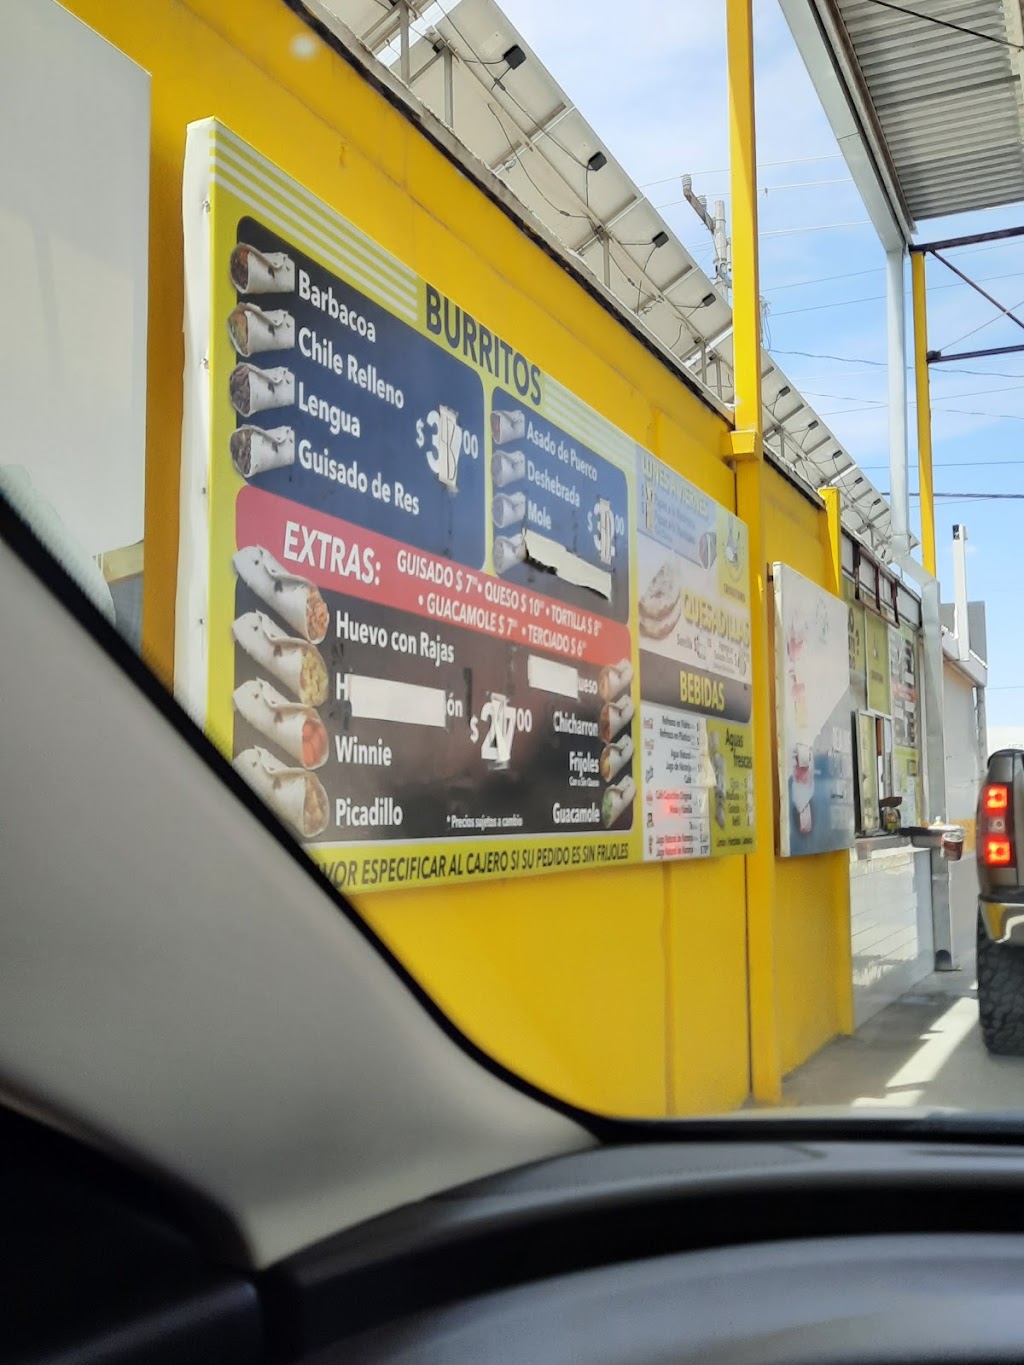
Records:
x=547, y=482
x=384, y=428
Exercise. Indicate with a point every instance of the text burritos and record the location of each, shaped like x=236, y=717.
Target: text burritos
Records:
x=294, y=599
x=292, y=727
x=296, y=663
x=295, y=796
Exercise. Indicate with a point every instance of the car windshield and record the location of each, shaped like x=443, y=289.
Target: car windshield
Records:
x=558, y=520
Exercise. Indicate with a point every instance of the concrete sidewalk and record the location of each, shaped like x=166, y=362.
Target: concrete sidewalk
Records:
x=924, y=1050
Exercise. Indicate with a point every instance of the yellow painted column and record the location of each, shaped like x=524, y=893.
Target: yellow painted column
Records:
x=924, y=411
x=746, y=448
x=839, y=862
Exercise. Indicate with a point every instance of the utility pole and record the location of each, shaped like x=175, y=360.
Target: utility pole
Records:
x=716, y=226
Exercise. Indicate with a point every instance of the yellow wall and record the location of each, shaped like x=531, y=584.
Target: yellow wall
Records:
x=626, y=990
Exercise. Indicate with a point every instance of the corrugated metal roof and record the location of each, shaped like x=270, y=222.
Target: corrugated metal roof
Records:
x=948, y=104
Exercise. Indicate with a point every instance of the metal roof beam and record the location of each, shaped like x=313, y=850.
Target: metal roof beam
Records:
x=997, y=235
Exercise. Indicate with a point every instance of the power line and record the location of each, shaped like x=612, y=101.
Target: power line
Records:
x=971, y=497
x=761, y=165
x=884, y=364
x=764, y=190
x=879, y=298
x=883, y=402
x=947, y=23
x=951, y=464
x=879, y=269
x=877, y=405
x=982, y=325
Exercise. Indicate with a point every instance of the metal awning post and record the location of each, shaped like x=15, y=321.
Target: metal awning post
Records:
x=745, y=445
x=899, y=493
x=924, y=412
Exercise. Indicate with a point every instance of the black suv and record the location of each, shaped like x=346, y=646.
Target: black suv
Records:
x=1001, y=904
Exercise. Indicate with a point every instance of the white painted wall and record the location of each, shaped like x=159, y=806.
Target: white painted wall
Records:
x=74, y=240
x=890, y=926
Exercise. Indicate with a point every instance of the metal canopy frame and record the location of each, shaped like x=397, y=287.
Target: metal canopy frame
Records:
x=526, y=130
x=936, y=250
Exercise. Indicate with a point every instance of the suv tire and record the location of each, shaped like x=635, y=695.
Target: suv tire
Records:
x=1000, y=995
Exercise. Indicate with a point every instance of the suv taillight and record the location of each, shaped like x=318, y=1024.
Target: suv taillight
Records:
x=995, y=826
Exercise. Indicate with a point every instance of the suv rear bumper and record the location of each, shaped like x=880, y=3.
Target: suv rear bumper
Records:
x=1003, y=916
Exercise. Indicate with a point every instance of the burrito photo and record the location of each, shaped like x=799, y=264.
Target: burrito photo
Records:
x=255, y=451
x=508, y=426
x=615, y=715
x=614, y=757
x=508, y=551
x=292, y=727
x=294, y=599
x=252, y=330
x=253, y=390
x=616, y=801
x=295, y=796
x=507, y=466
x=613, y=679
x=508, y=509
x=261, y=272
x=296, y=663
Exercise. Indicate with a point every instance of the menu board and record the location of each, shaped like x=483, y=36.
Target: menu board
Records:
x=815, y=736
x=876, y=637
x=416, y=607
x=695, y=685
x=906, y=740
x=858, y=654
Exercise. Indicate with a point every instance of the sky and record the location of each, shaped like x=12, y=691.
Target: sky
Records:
x=654, y=90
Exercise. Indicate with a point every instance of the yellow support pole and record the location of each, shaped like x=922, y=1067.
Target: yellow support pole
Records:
x=746, y=449
x=839, y=863
x=924, y=411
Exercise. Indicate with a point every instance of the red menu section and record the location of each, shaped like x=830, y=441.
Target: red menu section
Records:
x=348, y=559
